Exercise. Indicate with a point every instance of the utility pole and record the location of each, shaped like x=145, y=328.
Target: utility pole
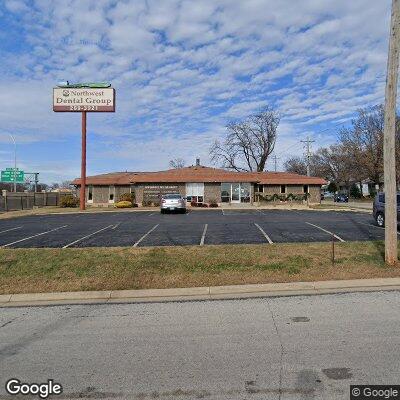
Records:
x=389, y=160
x=275, y=161
x=308, y=152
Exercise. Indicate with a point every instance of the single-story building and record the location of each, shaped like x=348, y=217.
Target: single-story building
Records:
x=201, y=184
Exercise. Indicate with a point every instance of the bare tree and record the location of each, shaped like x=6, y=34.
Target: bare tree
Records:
x=65, y=184
x=248, y=143
x=177, y=163
x=363, y=144
x=332, y=163
x=296, y=165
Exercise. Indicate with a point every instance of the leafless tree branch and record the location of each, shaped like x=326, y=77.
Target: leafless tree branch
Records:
x=248, y=143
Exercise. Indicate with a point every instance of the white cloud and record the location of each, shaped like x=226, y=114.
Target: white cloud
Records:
x=182, y=69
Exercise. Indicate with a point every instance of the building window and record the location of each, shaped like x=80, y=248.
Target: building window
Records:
x=305, y=189
x=225, y=192
x=245, y=189
x=90, y=193
x=236, y=192
x=195, y=192
x=111, y=194
x=283, y=189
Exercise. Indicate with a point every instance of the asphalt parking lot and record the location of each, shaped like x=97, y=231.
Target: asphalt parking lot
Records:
x=150, y=228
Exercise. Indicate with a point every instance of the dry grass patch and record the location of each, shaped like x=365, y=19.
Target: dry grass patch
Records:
x=45, y=270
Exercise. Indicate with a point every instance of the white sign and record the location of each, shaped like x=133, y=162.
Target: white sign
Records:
x=83, y=99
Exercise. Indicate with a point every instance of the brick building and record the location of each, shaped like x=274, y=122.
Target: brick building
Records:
x=203, y=185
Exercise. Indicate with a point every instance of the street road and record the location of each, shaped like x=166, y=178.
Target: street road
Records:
x=308, y=347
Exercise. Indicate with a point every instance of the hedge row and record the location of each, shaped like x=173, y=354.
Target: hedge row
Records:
x=283, y=197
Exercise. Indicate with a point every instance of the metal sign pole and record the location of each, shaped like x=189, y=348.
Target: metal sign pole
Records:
x=83, y=164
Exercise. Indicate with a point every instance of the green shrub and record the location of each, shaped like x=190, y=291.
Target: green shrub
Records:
x=69, y=201
x=332, y=187
x=123, y=204
x=355, y=191
x=290, y=196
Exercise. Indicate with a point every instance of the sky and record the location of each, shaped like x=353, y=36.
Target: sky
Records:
x=182, y=70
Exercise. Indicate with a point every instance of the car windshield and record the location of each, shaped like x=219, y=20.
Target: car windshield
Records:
x=172, y=196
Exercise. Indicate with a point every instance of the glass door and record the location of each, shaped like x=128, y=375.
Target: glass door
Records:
x=235, y=193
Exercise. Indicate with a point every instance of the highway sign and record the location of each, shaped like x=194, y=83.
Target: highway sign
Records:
x=8, y=175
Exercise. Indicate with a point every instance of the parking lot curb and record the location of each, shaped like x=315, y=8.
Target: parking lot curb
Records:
x=200, y=293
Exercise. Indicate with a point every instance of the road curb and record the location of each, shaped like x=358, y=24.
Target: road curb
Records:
x=200, y=293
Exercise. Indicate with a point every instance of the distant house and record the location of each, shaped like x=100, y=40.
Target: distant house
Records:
x=200, y=184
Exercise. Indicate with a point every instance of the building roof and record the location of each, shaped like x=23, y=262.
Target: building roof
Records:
x=200, y=173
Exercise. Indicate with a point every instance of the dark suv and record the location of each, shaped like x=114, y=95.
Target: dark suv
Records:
x=378, y=210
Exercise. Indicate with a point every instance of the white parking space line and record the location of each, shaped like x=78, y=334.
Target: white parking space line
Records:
x=223, y=212
x=116, y=226
x=324, y=230
x=85, y=237
x=203, y=236
x=33, y=236
x=149, y=215
x=263, y=232
x=11, y=229
x=145, y=235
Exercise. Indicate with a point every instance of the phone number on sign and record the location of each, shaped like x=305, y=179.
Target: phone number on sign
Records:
x=83, y=108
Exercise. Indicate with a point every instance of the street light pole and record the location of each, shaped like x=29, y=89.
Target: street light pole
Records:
x=15, y=162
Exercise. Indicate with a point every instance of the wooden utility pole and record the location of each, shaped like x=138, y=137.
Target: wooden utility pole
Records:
x=389, y=160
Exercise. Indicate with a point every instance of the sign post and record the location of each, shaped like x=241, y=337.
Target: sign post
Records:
x=82, y=192
x=84, y=97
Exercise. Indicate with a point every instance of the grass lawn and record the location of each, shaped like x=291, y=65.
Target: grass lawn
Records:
x=47, y=270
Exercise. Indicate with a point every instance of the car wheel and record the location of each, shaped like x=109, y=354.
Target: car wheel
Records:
x=380, y=220
x=162, y=212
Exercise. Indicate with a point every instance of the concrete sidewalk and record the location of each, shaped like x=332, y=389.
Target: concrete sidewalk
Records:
x=200, y=293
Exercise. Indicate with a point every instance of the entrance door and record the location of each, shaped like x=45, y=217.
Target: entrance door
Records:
x=235, y=193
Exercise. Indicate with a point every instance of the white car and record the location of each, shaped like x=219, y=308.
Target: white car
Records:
x=173, y=202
